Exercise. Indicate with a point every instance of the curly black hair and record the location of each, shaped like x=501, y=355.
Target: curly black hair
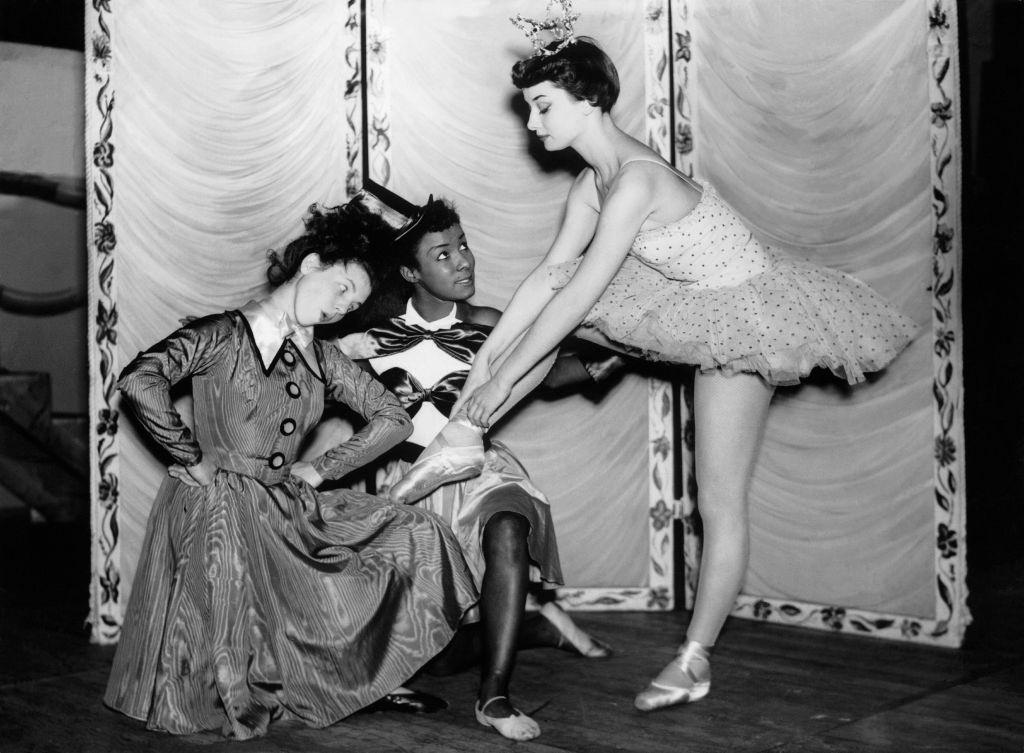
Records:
x=581, y=68
x=349, y=233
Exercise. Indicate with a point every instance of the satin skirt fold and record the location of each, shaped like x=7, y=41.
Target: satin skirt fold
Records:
x=254, y=602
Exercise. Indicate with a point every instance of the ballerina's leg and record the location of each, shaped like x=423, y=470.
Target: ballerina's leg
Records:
x=729, y=415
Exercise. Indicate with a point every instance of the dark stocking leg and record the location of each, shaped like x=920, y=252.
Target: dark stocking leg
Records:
x=503, y=596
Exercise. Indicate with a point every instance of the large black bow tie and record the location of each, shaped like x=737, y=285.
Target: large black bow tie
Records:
x=411, y=394
x=460, y=342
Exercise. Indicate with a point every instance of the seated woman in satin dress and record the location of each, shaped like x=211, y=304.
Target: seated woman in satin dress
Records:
x=258, y=597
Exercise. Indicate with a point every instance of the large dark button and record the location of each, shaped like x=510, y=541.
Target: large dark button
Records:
x=288, y=358
x=276, y=460
x=292, y=389
x=287, y=426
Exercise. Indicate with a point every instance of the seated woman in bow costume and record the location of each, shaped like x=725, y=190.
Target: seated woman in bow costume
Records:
x=500, y=518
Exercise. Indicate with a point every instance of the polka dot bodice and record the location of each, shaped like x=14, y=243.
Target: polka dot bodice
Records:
x=708, y=247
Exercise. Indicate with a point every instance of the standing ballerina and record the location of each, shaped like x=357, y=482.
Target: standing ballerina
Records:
x=670, y=273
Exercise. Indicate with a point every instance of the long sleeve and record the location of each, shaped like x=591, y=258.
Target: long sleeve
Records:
x=146, y=382
x=387, y=423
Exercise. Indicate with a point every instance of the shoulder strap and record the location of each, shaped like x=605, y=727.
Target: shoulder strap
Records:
x=686, y=179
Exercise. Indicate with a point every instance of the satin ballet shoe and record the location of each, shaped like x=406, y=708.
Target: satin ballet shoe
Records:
x=571, y=637
x=516, y=727
x=456, y=454
x=685, y=679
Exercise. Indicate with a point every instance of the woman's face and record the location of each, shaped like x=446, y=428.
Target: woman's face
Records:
x=555, y=115
x=445, y=265
x=324, y=294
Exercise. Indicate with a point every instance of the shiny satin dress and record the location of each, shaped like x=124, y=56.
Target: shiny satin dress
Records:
x=425, y=364
x=258, y=597
x=703, y=291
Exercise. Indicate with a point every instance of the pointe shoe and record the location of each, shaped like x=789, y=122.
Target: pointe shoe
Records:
x=456, y=454
x=685, y=679
x=571, y=636
x=516, y=727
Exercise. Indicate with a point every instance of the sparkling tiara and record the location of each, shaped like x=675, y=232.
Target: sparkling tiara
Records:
x=553, y=29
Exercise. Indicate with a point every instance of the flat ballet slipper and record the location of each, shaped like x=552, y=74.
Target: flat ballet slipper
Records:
x=516, y=727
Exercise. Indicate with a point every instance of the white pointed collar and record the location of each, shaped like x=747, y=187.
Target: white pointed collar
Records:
x=271, y=327
x=412, y=316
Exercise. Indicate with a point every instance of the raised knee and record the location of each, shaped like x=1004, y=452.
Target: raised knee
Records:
x=506, y=529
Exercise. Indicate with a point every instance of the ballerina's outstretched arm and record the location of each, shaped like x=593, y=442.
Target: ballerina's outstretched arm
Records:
x=626, y=206
x=534, y=293
x=524, y=358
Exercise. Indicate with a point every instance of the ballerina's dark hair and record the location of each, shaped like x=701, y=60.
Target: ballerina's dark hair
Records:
x=581, y=68
x=349, y=233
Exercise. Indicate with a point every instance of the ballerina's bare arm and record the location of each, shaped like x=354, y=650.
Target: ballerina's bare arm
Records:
x=534, y=292
x=629, y=202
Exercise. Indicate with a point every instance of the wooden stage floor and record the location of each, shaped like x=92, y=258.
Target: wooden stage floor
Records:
x=779, y=689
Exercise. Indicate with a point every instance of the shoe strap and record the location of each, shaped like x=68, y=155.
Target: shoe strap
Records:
x=492, y=700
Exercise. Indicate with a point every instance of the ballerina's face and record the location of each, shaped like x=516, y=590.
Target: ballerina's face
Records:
x=445, y=267
x=556, y=116
x=325, y=293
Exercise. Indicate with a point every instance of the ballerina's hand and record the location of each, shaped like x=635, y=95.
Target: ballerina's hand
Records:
x=200, y=474
x=307, y=473
x=482, y=404
x=478, y=376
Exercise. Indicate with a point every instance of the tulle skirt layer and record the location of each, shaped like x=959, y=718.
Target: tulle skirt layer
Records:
x=781, y=324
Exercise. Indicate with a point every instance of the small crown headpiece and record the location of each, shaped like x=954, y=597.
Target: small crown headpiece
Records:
x=558, y=29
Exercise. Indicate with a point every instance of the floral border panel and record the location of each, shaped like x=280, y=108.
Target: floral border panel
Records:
x=353, y=103
x=661, y=397
x=684, y=158
x=952, y=614
x=846, y=620
x=105, y=608
x=376, y=94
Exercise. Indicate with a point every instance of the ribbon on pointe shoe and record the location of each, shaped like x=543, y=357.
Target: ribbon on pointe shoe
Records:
x=685, y=679
x=456, y=454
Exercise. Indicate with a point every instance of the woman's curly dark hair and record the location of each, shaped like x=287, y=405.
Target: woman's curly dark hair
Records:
x=581, y=68
x=349, y=233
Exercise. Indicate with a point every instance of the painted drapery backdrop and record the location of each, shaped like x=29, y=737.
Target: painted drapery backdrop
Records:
x=832, y=127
